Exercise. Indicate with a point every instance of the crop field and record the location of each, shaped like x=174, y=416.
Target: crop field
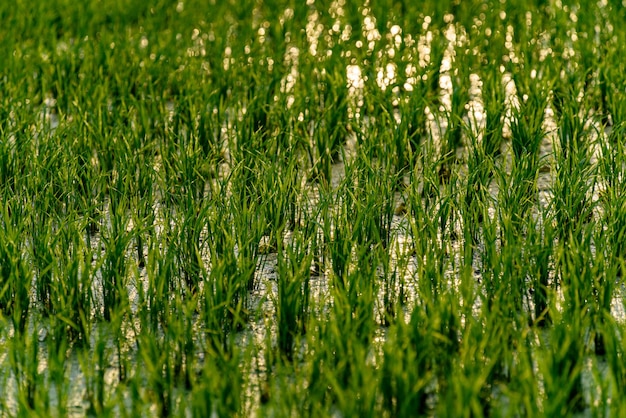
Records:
x=312, y=208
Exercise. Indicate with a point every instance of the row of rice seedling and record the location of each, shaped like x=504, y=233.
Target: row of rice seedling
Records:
x=268, y=208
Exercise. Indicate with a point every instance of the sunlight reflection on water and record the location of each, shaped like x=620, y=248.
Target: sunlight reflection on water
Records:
x=388, y=74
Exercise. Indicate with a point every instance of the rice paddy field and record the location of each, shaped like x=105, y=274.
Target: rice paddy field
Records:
x=323, y=208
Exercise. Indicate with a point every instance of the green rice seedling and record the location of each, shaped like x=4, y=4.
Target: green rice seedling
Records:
x=52, y=168
x=471, y=214
x=438, y=46
x=200, y=145
x=372, y=202
x=225, y=287
x=432, y=207
x=353, y=292
x=567, y=86
x=374, y=198
x=522, y=392
x=189, y=248
x=605, y=83
x=355, y=303
x=425, y=184
x=612, y=200
x=143, y=224
x=575, y=179
x=177, y=134
x=218, y=395
x=270, y=196
x=180, y=332
x=155, y=358
x=540, y=239
x=515, y=269
x=339, y=247
x=293, y=271
x=610, y=81
x=249, y=229
x=186, y=174
x=465, y=280
x=84, y=196
x=24, y=357
x=15, y=150
x=427, y=221
x=16, y=275
x=323, y=215
x=43, y=249
x=338, y=374
x=491, y=268
x=283, y=393
x=480, y=169
x=258, y=117
x=57, y=347
x=94, y=364
x=92, y=141
x=406, y=370
x=447, y=324
x=517, y=194
x=413, y=123
x=603, y=271
x=209, y=132
x=600, y=398
x=573, y=139
x=505, y=270
x=201, y=399
x=331, y=128
x=277, y=191
x=471, y=393
x=562, y=369
x=453, y=137
x=493, y=97
x=387, y=131
x=72, y=297
x=583, y=275
x=615, y=360
x=162, y=276
x=446, y=210
x=286, y=137
x=244, y=181
x=430, y=232
x=577, y=273
x=114, y=265
x=391, y=286
x=527, y=130
x=140, y=185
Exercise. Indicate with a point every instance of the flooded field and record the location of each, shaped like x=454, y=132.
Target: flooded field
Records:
x=322, y=209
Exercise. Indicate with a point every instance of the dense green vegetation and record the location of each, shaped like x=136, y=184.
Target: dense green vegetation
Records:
x=276, y=208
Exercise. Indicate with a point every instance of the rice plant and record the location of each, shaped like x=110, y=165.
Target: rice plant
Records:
x=325, y=209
